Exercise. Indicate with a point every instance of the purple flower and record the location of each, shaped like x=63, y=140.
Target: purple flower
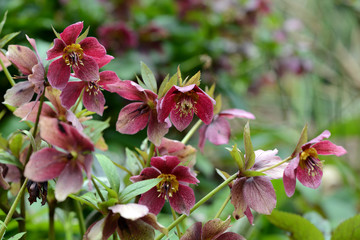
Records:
x=173, y=186
x=135, y=116
x=306, y=166
x=218, y=131
x=213, y=229
x=182, y=102
x=130, y=221
x=257, y=192
x=67, y=163
x=84, y=57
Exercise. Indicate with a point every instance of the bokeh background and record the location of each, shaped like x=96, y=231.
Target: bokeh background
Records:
x=287, y=62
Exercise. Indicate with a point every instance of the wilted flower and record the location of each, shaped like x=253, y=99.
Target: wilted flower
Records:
x=218, y=131
x=182, y=102
x=135, y=116
x=306, y=166
x=173, y=186
x=49, y=163
x=37, y=190
x=131, y=221
x=93, y=98
x=213, y=229
x=84, y=56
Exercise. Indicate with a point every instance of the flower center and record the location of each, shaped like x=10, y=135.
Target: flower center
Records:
x=309, y=160
x=167, y=186
x=93, y=87
x=73, y=54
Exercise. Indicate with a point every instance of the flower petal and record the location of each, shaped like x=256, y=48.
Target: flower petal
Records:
x=131, y=211
x=183, y=200
x=324, y=134
x=132, y=91
x=156, y=130
x=249, y=215
x=95, y=231
x=289, y=177
x=202, y=138
x=45, y=164
x=107, y=78
x=152, y=221
x=87, y=71
x=166, y=104
x=328, y=148
x=237, y=198
x=92, y=47
x=213, y=228
x=37, y=78
x=58, y=73
x=183, y=174
x=94, y=102
x=230, y=236
x=152, y=200
x=132, y=118
x=137, y=230
x=57, y=50
x=310, y=177
x=180, y=120
x=259, y=194
x=71, y=93
x=104, y=60
x=23, y=58
x=218, y=132
x=23, y=111
x=19, y=94
x=69, y=181
x=205, y=108
x=265, y=159
x=236, y=113
x=71, y=33
x=165, y=164
x=146, y=173
x=193, y=232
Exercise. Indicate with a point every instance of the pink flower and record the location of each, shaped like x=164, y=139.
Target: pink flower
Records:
x=213, y=229
x=135, y=116
x=84, y=57
x=218, y=131
x=30, y=65
x=182, y=102
x=306, y=166
x=130, y=221
x=257, y=192
x=93, y=98
x=66, y=164
x=173, y=186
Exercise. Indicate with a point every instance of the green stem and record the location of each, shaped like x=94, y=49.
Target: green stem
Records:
x=22, y=223
x=12, y=209
x=223, y=206
x=80, y=216
x=191, y=132
x=52, y=206
x=122, y=168
x=278, y=164
x=7, y=74
x=177, y=226
x=199, y=203
x=83, y=201
x=151, y=154
x=97, y=189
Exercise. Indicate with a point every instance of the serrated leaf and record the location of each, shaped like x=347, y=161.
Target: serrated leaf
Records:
x=172, y=82
x=299, y=227
x=110, y=171
x=237, y=156
x=217, y=107
x=137, y=188
x=17, y=236
x=56, y=33
x=2, y=23
x=302, y=140
x=194, y=79
x=7, y=158
x=349, y=229
x=4, y=40
x=148, y=77
x=249, y=151
x=83, y=36
x=94, y=128
x=15, y=144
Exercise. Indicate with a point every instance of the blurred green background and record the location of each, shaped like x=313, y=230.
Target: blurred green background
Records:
x=289, y=63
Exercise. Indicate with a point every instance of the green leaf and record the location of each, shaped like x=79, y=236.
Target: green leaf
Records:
x=224, y=175
x=2, y=23
x=164, y=88
x=4, y=40
x=249, y=151
x=91, y=198
x=32, y=140
x=83, y=36
x=349, y=229
x=179, y=76
x=137, y=188
x=94, y=128
x=163, y=85
x=7, y=158
x=148, y=77
x=3, y=143
x=194, y=79
x=302, y=140
x=140, y=82
x=253, y=174
x=17, y=236
x=56, y=33
x=299, y=227
x=15, y=144
x=132, y=161
x=236, y=154
x=110, y=171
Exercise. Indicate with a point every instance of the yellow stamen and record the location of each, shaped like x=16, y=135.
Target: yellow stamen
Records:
x=168, y=185
x=73, y=54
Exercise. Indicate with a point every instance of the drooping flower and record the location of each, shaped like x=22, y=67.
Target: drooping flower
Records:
x=213, y=229
x=306, y=166
x=85, y=57
x=135, y=116
x=182, y=102
x=66, y=164
x=31, y=67
x=37, y=190
x=257, y=192
x=173, y=186
x=130, y=221
x=93, y=98
x=218, y=131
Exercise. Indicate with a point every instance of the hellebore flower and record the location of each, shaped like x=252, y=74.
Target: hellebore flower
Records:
x=257, y=192
x=131, y=221
x=49, y=163
x=135, y=116
x=37, y=190
x=84, y=57
x=306, y=166
x=8, y=173
x=182, y=102
x=93, y=98
x=213, y=229
x=218, y=131
x=173, y=186
x=30, y=65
